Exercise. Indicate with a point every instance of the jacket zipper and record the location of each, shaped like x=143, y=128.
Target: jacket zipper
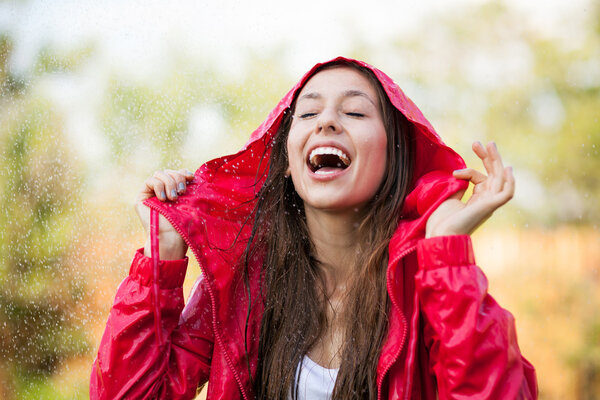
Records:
x=404, y=330
x=212, y=301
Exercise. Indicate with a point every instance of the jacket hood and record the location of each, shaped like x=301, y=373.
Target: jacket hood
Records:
x=220, y=201
x=214, y=216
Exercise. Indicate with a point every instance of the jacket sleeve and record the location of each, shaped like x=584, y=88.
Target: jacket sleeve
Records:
x=130, y=363
x=472, y=341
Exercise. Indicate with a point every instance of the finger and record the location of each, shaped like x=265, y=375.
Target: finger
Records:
x=153, y=187
x=482, y=153
x=179, y=179
x=496, y=174
x=508, y=189
x=188, y=175
x=471, y=174
x=170, y=186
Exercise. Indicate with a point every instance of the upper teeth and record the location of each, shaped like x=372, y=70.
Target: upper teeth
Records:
x=328, y=150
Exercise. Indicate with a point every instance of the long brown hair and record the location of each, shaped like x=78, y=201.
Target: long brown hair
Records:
x=293, y=288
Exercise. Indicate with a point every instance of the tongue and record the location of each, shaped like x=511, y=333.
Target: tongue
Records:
x=327, y=170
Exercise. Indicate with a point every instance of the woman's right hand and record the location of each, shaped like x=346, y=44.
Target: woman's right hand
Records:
x=167, y=185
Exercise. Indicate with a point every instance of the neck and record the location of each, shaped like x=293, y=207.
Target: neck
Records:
x=335, y=236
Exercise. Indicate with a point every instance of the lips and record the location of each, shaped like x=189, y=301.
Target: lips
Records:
x=327, y=159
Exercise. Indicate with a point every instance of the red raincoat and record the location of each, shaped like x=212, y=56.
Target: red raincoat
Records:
x=446, y=334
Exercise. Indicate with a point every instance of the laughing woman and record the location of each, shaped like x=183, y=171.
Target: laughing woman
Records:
x=336, y=263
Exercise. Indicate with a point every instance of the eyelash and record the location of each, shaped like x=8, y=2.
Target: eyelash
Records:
x=351, y=114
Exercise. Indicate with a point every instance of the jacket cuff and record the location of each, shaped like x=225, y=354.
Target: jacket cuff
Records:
x=171, y=273
x=443, y=251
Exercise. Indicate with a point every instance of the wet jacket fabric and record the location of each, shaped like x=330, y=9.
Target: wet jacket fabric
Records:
x=447, y=336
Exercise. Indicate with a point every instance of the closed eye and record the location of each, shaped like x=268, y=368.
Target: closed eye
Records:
x=307, y=115
x=355, y=114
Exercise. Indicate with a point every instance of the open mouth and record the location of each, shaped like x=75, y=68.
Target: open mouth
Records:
x=325, y=160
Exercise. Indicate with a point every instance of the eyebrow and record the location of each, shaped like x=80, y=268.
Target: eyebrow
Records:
x=347, y=93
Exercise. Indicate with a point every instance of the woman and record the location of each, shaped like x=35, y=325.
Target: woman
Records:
x=336, y=263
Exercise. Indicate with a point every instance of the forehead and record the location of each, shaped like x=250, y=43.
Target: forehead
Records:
x=338, y=80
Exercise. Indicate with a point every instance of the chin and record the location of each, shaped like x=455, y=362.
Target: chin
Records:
x=332, y=204
x=334, y=196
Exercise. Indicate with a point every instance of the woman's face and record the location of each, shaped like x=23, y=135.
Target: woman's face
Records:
x=337, y=141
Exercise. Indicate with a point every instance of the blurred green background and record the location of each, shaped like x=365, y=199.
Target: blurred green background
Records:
x=96, y=96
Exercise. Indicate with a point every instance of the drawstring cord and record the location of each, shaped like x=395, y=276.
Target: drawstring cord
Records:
x=155, y=259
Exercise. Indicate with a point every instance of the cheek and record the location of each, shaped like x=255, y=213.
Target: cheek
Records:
x=378, y=167
x=294, y=151
x=379, y=156
x=290, y=157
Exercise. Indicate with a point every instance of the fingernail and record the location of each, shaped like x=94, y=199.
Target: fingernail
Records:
x=188, y=172
x=162, y=195
x=173, y=193
x=181, y=187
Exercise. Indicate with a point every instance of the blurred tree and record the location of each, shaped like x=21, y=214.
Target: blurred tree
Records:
x=485, y=73
x=154, y=120
x=551, y=124
x=39, y=201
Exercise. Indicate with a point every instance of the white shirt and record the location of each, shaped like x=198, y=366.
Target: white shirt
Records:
x=315, y=382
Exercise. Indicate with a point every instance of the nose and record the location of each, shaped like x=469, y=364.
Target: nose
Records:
x=328, y=122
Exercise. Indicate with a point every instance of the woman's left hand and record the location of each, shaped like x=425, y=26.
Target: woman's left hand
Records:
x=453, y=217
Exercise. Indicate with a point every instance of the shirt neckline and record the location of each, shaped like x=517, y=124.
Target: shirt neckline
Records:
x=311, y=363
